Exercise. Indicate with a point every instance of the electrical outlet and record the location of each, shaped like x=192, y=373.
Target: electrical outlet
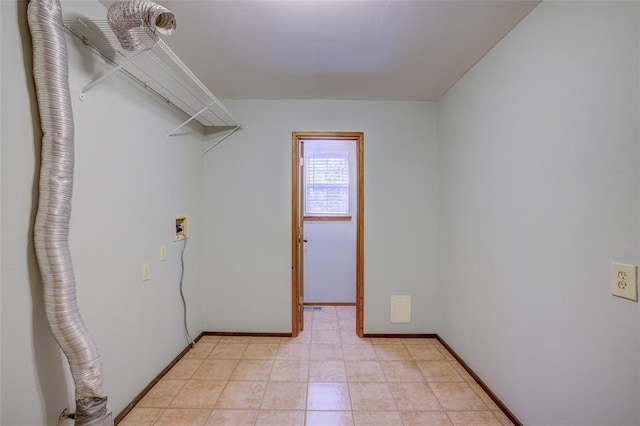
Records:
x=163, y=253
x=624, y=281
x=146, y=272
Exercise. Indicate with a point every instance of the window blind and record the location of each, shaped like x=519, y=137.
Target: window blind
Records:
x=327, y=184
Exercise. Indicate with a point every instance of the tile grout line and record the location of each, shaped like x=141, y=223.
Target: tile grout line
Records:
x=264, y=393
x=345, y=372
x=180, y=390
x=226, y=383
x=450, y=362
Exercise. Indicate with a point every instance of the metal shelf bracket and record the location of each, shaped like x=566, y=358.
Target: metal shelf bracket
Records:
x=160, y=71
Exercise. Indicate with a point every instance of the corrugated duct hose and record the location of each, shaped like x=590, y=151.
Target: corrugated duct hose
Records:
x=51, y=231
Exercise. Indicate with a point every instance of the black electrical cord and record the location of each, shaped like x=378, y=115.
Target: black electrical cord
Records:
x=184, y=302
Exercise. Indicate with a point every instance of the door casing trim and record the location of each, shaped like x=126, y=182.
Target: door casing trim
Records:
x=358, y=137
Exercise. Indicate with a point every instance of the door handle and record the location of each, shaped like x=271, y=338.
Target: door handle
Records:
x=306, y=241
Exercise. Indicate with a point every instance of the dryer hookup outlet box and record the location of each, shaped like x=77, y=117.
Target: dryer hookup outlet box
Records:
x=181, y=228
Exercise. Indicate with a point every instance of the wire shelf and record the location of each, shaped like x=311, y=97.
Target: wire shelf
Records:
x=156, y=68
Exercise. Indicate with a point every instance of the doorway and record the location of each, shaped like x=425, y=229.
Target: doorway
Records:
x=334, y=209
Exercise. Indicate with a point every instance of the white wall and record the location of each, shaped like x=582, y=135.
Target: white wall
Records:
x=539, y=178
x=130, y=181
x=330, y=247
x=247, y=191
x=330, y=261
x=539, y=191
x=1, y=265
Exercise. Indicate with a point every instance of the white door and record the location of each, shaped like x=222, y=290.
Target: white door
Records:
x=330, y=220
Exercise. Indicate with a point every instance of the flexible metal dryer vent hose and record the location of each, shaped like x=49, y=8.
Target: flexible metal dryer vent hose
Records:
x=125, y=17
x=51, y=231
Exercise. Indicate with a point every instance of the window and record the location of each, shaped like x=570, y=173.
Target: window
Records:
x=327, y=184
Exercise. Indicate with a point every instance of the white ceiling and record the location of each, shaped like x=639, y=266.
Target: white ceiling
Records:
x=384, y=50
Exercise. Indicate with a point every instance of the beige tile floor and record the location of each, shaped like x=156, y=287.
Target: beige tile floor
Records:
x=325, y=376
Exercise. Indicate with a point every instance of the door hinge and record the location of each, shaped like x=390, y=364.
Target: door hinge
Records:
x=300, y=231
x=301, y=161
x=301, y=301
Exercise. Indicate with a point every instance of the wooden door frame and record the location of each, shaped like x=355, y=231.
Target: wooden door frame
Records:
x=358, y=138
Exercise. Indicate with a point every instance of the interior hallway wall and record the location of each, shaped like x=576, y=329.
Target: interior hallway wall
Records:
x=130, y=180
x=247, y=196
x=330, y=245
x=1, y=265
x=539, y=178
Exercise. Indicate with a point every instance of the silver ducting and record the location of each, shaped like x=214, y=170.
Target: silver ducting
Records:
x=50, y=71
x=125, y=17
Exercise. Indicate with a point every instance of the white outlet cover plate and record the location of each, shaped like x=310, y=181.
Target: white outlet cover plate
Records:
x=146, y=272
x=624, y=281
